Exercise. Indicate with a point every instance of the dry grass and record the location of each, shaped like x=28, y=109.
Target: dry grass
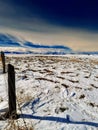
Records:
x=20, y=124
x=82, y=96
x=67, y=72
x=73, y=81
x=23, y=98
x=94, y=86
x=94, y=62
x=64, y=85
x=47, y=80
x=14, y=125
x=74, y=60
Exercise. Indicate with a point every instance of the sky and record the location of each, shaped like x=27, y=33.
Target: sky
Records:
x=73, y=23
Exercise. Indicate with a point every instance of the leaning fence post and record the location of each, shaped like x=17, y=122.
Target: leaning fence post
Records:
x=3, y=60
x=11, y=92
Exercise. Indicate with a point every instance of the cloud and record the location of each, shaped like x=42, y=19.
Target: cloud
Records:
x=12, y=44
x=8, y=40
x=19, y=17
x=76, y=39
x=30, y=15
x=50, y=22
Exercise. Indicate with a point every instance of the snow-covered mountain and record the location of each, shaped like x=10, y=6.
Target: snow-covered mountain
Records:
x=11, y=44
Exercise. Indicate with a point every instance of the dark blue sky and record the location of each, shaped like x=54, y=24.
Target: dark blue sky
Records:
x=71, y=13
x=68, y=22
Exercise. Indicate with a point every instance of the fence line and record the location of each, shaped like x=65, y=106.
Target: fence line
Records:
x=12, y=98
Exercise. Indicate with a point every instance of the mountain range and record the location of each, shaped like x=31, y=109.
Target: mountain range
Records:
x=12, y=44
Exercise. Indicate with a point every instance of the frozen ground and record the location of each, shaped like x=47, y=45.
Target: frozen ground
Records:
x=54, y=92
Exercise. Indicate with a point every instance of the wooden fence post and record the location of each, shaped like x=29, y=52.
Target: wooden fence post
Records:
x=11, y=92
x=3, y=60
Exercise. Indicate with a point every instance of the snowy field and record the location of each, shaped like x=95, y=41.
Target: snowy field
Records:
x=53, y=92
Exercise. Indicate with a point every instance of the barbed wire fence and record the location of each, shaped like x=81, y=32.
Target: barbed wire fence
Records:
x=11, y=116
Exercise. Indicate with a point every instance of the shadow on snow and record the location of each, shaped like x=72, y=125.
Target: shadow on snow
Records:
x=58, y=119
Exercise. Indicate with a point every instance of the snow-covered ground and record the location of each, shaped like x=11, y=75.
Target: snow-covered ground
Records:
x=54, y=92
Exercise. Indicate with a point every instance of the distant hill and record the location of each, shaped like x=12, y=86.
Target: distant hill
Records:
x=89, y=53
x=7, y=40
x=11, y=44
